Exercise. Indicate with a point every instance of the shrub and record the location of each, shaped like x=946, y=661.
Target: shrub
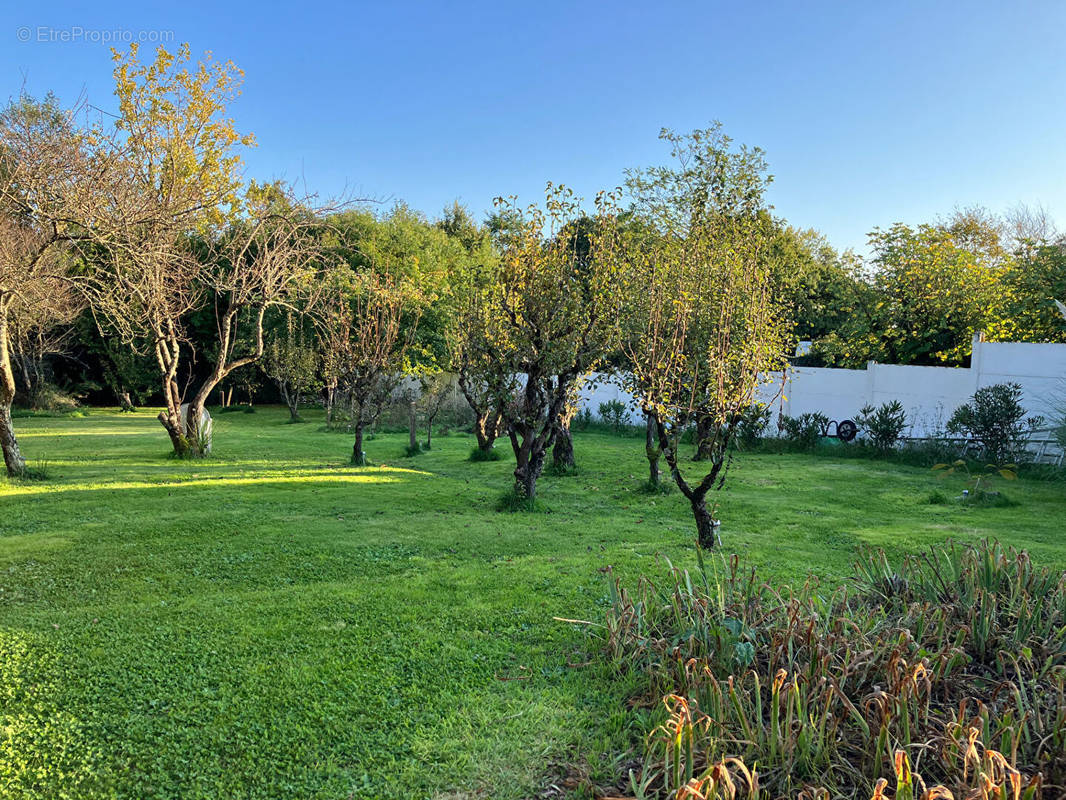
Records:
x=805, y=430
x=614, y=415
x=995, y=419
x=936, y=498
x=582, y=420
x=477, y=454
x=751, y=425
x=883, y=425
x=960, y=654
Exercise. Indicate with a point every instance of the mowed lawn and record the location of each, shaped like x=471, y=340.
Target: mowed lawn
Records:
x=272, y=622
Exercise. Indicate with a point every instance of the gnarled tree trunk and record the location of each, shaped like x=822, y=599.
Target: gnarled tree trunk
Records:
x=358, y=456
x=486, y=418
x=529, y=464
x=696, y=495
x=13, y=459
x=291, y=398
x=705, y=522
x=563, y=451
x=652, y=450
x=486, y=428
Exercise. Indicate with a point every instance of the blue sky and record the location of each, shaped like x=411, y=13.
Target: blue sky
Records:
x=869, y=112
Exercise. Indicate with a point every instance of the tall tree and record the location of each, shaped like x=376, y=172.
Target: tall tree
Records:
x=486, y=388
x=924, y=293
x=292, y=362
x=552, y=318
x=707, y=326
x=46, y=172
x=367, y=326
x=466, y=331
x=182, y=234
x=177, y=181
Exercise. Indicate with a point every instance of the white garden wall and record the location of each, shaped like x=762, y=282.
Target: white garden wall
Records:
x=928, y=394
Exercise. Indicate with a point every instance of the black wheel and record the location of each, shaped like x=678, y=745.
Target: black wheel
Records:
x=846, y=430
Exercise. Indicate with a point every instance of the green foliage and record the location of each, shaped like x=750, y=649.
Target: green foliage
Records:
x=831, y=689
x=1025, y=305
x=426, y=256
x=976, y=479
x=477, y=454
x=883, y=425
x=514, y=501
x=818, y=285
x=925, y=292
x=804, y=432
x=582, y=420
x=936, y=498
x=995, y=419
x=561, y=470
x=614, y=415
x=292, y=362
x=751, y=425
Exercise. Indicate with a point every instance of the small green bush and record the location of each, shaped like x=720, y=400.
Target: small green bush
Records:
x=883, y=425
x=995, y=419
x=582, y=420
x=936, y=498
x=614, y=416
x=804, y=431
x=477, y=454
x=662, y=487
x=561, y=470
x=751, y=426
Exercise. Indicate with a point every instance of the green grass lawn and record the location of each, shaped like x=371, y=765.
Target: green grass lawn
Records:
x=272, y=622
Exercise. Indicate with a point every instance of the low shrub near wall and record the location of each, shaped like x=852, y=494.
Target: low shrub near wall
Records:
x=946, y=674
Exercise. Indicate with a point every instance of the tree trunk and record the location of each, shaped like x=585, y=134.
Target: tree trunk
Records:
x=292, y=400
x=172, y=425
x=530, y=465
x=705, y=527
x=331, y=398
x=486, y=428
x=429, y=433
x=412, y=427
x=563, y=451
x=704, y=439
x=125, y=402
x=358, y=456
x=13, y=459
x=653, y=451
x=697, y=495
x=32, y=388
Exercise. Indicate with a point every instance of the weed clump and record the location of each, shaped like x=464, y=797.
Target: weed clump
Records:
x=477, y=454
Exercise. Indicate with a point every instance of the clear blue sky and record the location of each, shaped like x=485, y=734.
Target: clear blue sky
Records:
x=870, y=112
